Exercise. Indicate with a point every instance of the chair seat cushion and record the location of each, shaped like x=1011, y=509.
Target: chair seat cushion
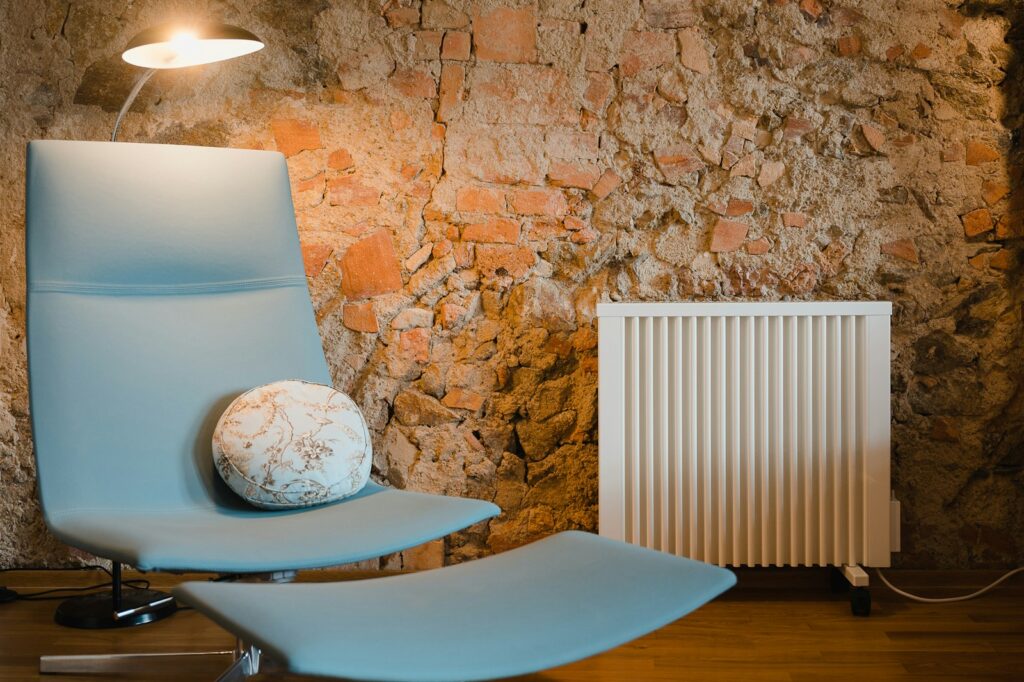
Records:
x=242, y=539
x=292, y=444
x=558, y=600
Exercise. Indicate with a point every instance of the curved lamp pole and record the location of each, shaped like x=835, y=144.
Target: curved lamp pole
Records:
x=175, y=46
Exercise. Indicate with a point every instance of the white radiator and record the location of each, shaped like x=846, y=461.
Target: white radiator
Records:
x=747, y=434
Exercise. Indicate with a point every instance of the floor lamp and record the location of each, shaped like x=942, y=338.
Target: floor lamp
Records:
x=175, y=46
x=170, y=46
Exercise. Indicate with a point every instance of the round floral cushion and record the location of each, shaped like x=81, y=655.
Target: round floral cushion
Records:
x=292, y=444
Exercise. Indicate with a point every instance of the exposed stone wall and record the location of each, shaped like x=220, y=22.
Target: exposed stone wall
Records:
x=471, y=178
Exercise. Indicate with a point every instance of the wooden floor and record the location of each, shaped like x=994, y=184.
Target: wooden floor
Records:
x=780, y=626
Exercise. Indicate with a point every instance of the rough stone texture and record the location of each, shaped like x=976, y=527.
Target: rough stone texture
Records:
x=503, y=166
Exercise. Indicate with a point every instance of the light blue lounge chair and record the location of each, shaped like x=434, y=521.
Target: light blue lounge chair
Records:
x=162, y=282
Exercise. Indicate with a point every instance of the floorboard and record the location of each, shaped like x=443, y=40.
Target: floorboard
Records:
x=776, y=626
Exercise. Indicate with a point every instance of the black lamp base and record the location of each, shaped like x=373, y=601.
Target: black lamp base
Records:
x=96, y=611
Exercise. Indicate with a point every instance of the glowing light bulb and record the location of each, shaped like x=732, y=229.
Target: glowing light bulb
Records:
x=184, y=45
x=184, y=39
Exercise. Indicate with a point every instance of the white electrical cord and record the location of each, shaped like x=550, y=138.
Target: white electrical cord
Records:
x=945, y=600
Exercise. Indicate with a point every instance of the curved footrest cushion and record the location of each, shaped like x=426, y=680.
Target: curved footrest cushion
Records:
x=558, y=600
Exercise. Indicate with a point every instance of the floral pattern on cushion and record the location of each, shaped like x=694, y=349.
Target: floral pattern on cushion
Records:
x=292, y=444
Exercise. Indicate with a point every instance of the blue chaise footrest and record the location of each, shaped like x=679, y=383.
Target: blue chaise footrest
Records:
x=555, y=601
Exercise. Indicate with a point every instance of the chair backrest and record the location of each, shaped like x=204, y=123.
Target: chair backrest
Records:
x=162, y=282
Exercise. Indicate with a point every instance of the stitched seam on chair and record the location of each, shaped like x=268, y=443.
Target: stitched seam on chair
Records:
x=120, y=510
x=164, y=289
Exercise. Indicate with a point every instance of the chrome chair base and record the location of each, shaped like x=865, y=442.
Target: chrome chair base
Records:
x=246, y=661
x=113, y=664
x=122, y=607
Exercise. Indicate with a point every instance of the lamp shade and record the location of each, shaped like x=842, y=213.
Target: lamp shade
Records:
x=173, y=46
